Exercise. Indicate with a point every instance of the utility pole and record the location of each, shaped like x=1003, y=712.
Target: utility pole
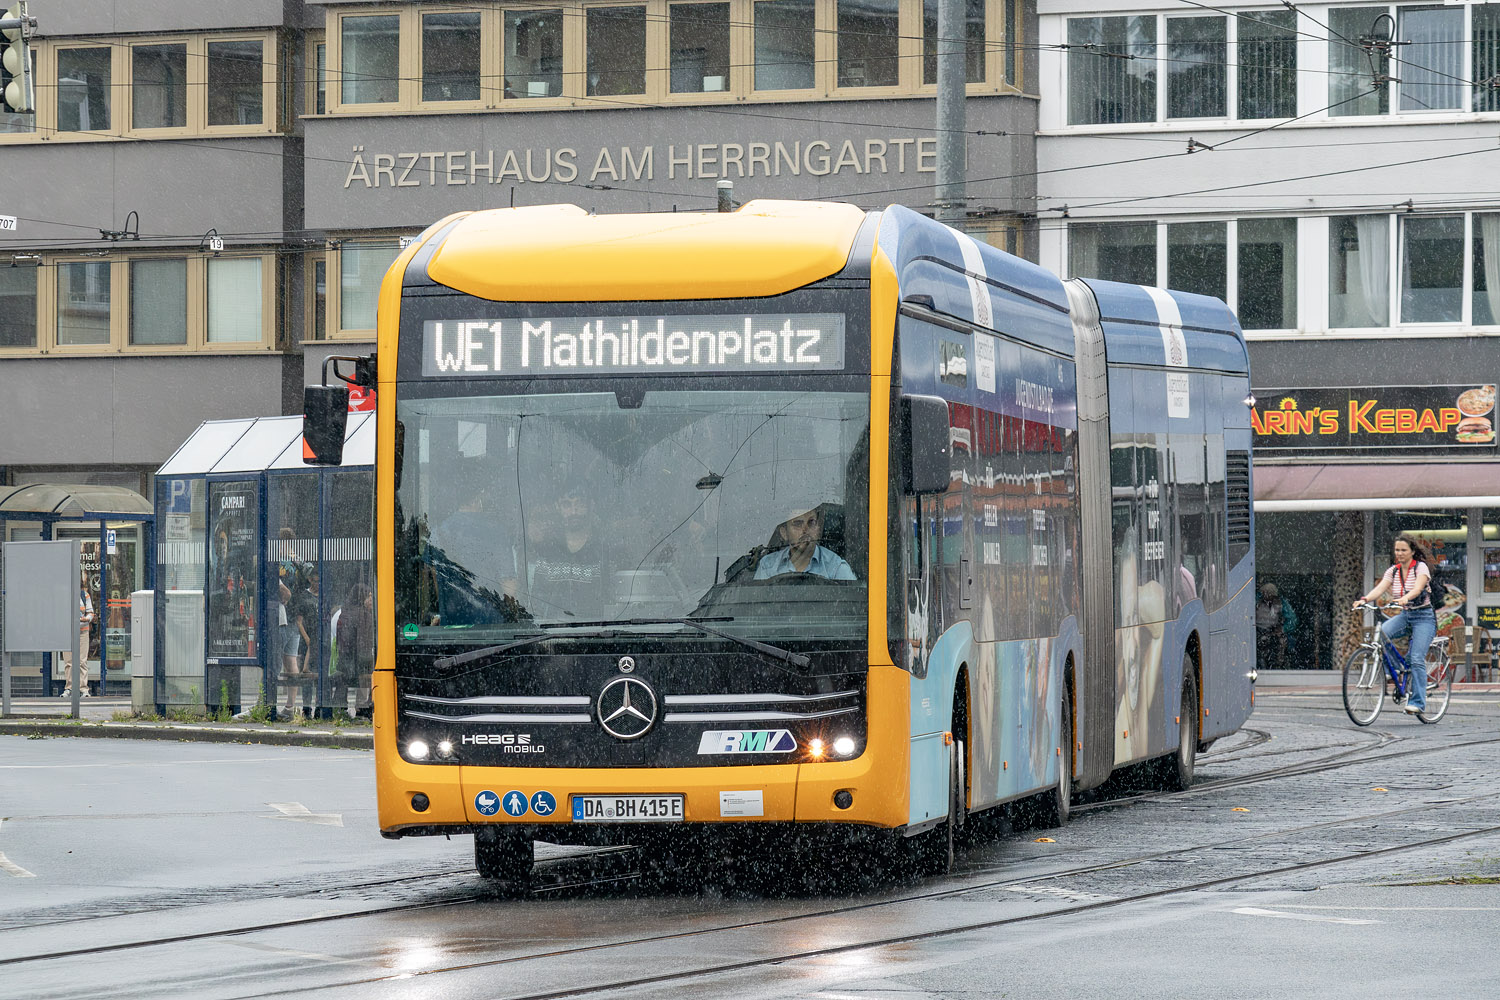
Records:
x=952, y=154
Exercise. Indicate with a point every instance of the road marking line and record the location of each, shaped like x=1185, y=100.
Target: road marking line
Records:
x=9, y=867
x=315, y=956
x=1253, y=911
x=300, y=812
x=1395, y=909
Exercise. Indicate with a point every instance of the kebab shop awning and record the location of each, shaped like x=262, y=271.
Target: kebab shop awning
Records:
x=1376, y=486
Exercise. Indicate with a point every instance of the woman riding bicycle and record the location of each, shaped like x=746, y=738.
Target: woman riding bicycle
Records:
x=1409, y=580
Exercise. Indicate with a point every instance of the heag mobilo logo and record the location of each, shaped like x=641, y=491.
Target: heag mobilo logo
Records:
x=746, y=741
x=510, y=742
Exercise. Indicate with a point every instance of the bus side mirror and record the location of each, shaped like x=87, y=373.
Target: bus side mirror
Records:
x=325, y=414
x=928, y=456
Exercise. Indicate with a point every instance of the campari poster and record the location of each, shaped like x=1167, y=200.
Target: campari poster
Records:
x=1437, y=419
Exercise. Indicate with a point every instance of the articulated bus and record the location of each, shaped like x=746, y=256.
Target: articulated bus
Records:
x=796, y=519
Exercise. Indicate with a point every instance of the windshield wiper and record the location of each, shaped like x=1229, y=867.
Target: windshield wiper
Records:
x=443, y=663
x=784, y=655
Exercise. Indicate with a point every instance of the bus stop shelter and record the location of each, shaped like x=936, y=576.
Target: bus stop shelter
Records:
x=115, y=527
x=259, y=556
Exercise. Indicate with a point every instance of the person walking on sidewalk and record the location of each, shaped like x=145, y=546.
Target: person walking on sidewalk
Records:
x=1409, y=580
x=1275, y=621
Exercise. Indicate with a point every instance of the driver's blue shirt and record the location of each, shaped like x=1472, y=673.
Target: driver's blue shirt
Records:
x=825, y=563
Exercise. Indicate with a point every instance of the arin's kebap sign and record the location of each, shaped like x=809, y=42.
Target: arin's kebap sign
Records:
x=1431, y=417
x=624, y=345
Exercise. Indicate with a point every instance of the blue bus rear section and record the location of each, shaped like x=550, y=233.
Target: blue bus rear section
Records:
x=992, y=570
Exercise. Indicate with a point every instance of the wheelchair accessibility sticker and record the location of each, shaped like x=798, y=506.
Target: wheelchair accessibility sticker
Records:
x=486, y=803
x=543, y=804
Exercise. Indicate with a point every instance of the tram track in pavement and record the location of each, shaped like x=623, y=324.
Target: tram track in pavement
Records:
x=969, y=887
x=698, y=938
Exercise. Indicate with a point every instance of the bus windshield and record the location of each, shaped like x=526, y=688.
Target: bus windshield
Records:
x=519, y=513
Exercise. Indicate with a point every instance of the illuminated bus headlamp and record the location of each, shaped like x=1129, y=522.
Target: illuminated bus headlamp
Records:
x=843, y=746
x=816, y=749
x=417, y=750
x=445, y=749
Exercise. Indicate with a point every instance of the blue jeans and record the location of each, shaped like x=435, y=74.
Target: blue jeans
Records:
x=1421, y=624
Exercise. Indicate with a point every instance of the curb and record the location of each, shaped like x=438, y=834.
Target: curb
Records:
x=193, y=734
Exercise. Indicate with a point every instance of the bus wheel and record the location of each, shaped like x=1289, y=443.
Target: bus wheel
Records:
x=504, y=855
x=1177, y=770
x=1056, y=804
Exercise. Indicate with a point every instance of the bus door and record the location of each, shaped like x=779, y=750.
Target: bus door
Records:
x=922, y=516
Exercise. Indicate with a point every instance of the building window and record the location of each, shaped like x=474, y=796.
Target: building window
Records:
x=1111, y=70
x=1359, y=271
x=615, y=45
x=369, y=58
x=1432, y=269
x=1114, y=251
x=362, y=266
x=1267, y=273
x=1432, y=58
x=158, y=301
x=235, y=300
x=450, y=56
x=974, y=44
x=158, y=96
x=533, y=53
x=1353, y=69
x=320, y=78
x=18, y=302
x=1267, y=73
x=83, y=89
x=1485, y=57
x=83, y=303
x=699, y=47
x=317, y=298
x=1013, y=42
x=869, y=33
x=784, y=44
x=1486, y=270
x=1196, y=77
x=236, y=94
x=1198, y=258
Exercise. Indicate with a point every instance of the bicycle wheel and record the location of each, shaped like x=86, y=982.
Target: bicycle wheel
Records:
x=1440, y=671
x=1364, y=685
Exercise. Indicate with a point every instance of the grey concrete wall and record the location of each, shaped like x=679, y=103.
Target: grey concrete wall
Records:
x=1299, y=169
x=180, y=190
x=58, y=18
x=127, y=410
x=406, y=171
x=1283, y=364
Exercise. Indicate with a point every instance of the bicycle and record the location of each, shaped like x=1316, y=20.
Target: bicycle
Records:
x=1378, y=666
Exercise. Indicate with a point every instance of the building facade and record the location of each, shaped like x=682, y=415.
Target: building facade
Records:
x=1325, y=169
x=209, y=193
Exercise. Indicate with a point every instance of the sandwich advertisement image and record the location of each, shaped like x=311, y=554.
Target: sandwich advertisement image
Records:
x=1433, y=418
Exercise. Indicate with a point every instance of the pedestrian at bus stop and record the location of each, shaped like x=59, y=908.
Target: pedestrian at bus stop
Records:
x=1409, y=581
x=85, y=620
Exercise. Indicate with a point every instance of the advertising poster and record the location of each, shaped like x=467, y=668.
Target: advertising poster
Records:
x=233, y=512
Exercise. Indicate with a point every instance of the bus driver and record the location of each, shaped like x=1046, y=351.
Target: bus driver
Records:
x=800, y=534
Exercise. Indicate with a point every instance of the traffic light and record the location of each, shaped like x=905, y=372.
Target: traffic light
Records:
x=16, y=94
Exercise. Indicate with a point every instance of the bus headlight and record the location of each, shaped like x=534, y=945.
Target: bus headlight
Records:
x=445, y=749
x=417, y=750
x=816, y=749
x=843, y=746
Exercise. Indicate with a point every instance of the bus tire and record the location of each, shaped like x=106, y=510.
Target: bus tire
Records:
x=1177, y=770
x=1055, y=806
x=503, y=855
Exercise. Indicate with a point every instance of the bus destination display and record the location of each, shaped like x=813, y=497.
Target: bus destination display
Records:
x=634, y=344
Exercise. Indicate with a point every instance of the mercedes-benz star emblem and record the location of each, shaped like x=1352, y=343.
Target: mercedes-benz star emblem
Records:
x=627, y=708
x=626, y=664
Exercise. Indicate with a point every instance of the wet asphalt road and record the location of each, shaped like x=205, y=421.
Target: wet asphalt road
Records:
x=1301, y=865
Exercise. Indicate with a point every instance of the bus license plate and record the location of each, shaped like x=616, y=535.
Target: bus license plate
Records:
x=627, y=809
